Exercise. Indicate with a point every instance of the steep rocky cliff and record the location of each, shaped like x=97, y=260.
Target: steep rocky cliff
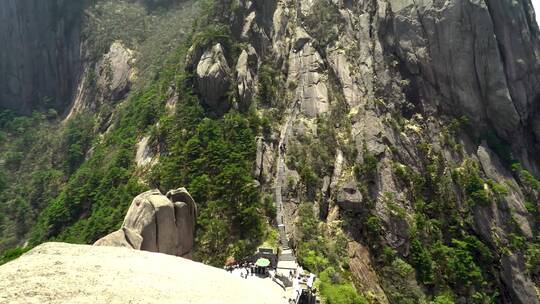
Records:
x=398, y=141
x=400, y=123
x=40, y=58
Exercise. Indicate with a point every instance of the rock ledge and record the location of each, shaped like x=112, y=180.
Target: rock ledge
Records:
x=66, y=273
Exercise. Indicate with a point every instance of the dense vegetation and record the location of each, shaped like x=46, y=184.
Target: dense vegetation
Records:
x=31, y=170
x=327, y=257
x=213, y=158
x=11, y=254
x=95, y=177
x=73, y=181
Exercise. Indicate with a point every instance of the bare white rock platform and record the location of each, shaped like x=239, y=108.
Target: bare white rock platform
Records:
x=67, y=273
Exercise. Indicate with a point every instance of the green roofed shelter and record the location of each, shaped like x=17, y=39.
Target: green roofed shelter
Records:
x=262, y=262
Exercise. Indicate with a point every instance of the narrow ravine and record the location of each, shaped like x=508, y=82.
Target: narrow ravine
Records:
x=285, y=252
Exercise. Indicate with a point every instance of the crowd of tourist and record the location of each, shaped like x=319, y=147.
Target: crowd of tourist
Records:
x=247, y=269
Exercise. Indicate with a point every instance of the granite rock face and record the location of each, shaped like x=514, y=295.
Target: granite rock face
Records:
x=158, y=223
x=473, y=58
x=213, y=78
x=115, y=72
x=306, y=73
x=245, y=71
x=390, y=77
x=40, y=58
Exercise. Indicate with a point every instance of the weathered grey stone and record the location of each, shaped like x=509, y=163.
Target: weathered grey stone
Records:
x=473, y=57
x=264, y=160
x=522, y=289
x=124, y=237
x=340, y=65
x=368, y=133
x=213, y=78
x=111, y=81
x=40, y=57
x=514, y=201
x=307, y=73
x=349, y=197
x=185, y=211
x=158, y=223
x=114, y=72
x=364, y=275
x=245, y=67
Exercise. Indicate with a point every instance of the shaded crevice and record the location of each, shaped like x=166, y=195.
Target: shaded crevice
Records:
x=500, y=49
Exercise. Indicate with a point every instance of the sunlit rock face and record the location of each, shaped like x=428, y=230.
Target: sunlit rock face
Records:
x=158, y=223
x=359, y=65
x=67, y=273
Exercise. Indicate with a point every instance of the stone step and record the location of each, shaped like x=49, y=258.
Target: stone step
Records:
x=287, y=255
x=287, y=258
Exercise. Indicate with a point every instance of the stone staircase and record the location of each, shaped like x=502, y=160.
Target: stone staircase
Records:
x=283, y=237
x=286, y=253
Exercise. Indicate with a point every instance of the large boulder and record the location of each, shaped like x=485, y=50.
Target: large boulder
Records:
x=349, y=197
x=158, y=223
x=124, y=237
x=185, y=210
x=115, y=72
x=213, y=78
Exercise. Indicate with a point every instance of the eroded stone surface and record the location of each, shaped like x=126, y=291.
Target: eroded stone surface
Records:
x=158, y=223
x=66, y=273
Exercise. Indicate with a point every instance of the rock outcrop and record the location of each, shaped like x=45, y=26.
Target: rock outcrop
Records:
x=108, y=82
x=213, y=78
x=306, y=73
x=158, y=223
x=247, y=88
x=40, y=58
x=66, y=273
x=115, y=72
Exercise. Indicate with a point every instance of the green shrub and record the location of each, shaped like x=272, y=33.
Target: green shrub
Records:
x=422, y=262
x=369, y=166
x=269, y=87
x=457, y=264
x=501, y=147
x=270, y=209
x=473, y=184
x=324, y=22
x=443, y=299
x=212, y=34
x=3, y=181
x=12, y=254
x=13, y=160
x=213, y=159
x=335, y=290
x=532, y=257
x=517, y=242
x=528, y=179
x=77, y=138
x=373, y=225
